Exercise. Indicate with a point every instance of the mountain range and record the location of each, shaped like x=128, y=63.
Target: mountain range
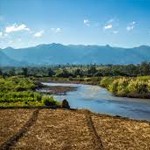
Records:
x=52, y=54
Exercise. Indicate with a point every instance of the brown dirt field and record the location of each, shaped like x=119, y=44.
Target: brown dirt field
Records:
x=59, y=129
x=122, y=134
x=11, y=120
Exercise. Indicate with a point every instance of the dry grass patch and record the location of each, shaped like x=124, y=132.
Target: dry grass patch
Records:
x=58, y=130
x=122, y=134
x=11, y=120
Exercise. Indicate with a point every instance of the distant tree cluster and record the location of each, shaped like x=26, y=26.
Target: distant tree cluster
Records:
x=75, y=71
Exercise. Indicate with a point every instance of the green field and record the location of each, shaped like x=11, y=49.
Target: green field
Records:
x=20, y=92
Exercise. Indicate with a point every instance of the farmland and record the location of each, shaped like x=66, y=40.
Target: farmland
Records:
x=70, y=129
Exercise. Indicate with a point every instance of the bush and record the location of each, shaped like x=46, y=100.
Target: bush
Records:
x=106, y=81
x=48, y=101
x=127, y=86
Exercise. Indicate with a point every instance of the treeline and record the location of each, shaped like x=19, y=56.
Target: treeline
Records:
x=74, y=71
x=137, y=87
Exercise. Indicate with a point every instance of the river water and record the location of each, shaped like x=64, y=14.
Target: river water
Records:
x=99, y=100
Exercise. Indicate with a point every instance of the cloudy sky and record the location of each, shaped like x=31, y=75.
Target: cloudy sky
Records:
x=122, y=23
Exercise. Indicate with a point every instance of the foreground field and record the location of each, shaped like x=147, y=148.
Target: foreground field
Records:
x=59, y=129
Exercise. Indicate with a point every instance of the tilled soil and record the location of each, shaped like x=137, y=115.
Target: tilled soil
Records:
x=122, y=133
x=11, y=120
x=60, y=129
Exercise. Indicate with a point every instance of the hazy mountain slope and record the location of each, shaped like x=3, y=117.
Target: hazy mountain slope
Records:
x=6, y=61
x=78, y=54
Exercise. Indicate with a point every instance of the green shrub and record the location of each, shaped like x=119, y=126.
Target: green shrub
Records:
x=127, y=86
x=48, y=101
x=106, y=81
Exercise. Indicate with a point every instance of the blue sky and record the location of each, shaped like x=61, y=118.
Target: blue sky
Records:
x=121, y=23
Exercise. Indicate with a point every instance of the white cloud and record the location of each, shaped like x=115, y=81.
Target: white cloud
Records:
x=108, y=26
x=86, y=22
x=56, y=30
x=15, y=28
x=131, y=26
x=39, y=34
x=112, y=24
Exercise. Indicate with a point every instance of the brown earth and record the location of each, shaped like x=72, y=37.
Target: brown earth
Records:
x=60, y=129
x=11, y=120
x=57, y=89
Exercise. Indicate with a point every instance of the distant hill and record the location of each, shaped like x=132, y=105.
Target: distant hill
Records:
x=48, y=54
x=6, y=61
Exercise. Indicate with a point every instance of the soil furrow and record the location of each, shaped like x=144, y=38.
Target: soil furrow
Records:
x=96, y=139
x=13, y=139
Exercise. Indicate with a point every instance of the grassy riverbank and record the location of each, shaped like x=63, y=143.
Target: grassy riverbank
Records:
x=135, y=87
x=70, y=129
x=20, y=92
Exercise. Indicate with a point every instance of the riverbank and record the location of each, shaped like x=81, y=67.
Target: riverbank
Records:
x=86, y=80
x=58, y=90
x=70, y=129
x=119, y=86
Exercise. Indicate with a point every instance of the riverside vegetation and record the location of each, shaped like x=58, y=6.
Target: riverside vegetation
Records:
x=20, y=92
x=18, y=86
x=137, y=87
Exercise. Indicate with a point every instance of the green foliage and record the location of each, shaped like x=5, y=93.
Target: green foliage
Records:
x=16, y=84
x=19, y=96
x=106, y=81
x=48, y=101
x=66, y=71
x=18, y=91
x=128, y=86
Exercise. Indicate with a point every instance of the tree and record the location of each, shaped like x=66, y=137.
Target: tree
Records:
x=25, y=71
x=78, y=72
x=1, y=73
x=50, y=72
x=92, y=70
x=11, y=72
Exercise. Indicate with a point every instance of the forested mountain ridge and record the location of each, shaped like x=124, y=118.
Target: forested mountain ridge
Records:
x=51, y=54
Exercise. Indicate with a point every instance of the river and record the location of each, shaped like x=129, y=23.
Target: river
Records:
x=99, y=100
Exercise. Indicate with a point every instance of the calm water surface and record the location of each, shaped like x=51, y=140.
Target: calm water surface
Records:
x=99, y=100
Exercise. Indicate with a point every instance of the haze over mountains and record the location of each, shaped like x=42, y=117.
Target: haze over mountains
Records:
x=52, y=54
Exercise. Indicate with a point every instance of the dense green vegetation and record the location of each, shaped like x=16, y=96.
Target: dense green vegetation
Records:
x=17, y=87
x=138, y=87
x=20, y=91
x=74, y=71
